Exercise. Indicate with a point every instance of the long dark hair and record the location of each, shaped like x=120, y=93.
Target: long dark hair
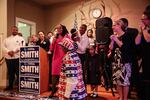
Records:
x=65, y=31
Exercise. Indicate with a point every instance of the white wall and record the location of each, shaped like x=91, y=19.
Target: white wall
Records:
x=3, y=33
x=3, y=18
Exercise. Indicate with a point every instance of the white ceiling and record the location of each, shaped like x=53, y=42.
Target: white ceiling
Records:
x=49, y=2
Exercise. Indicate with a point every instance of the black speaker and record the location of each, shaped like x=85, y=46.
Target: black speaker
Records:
x=103, y=34
x=103, y=30
x=104, y=22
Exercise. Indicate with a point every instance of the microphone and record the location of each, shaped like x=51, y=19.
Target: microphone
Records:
x=57, y=35
x=22, y=42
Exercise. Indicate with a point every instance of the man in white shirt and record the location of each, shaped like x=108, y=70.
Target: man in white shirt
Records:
x=82, y=46
x=11, y=47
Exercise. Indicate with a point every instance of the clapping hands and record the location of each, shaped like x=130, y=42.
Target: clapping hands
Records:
x=142, y=25
x=113, y=37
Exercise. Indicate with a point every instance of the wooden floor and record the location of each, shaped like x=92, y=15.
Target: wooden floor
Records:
x=102, y=95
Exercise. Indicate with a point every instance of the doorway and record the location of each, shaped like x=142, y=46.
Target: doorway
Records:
x=25, y=27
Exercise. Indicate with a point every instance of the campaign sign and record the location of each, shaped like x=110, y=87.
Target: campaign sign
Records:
x=29, y=53
x=29, y=69
x=29, y=85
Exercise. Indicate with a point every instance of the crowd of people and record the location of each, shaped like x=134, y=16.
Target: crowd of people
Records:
x=75, y=60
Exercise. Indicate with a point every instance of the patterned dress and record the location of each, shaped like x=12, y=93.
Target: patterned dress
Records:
x=122, y=61
x=121, y=72
x=71, y=69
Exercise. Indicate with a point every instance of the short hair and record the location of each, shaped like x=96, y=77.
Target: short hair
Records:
x=147, y=12
x=50, y=32
x=121, y=23
x=125, y=21
x=84, y=25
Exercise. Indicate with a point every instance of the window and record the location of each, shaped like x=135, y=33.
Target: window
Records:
x=27, y=28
